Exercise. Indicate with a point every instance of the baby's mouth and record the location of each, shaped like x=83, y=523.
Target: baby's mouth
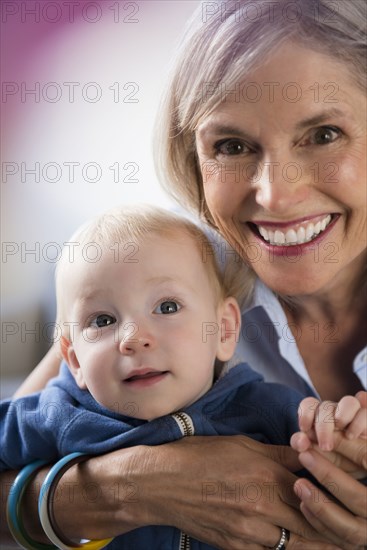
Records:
x=292, y=236
x=150, y=374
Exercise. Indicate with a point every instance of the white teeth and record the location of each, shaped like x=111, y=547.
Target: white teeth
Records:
x=279, y=237
x=301, y=235
x=309, y=232
x=292, y=236
x=263, y=232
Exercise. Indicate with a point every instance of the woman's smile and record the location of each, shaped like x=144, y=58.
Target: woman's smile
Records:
x=291, y=233
x=290, y=177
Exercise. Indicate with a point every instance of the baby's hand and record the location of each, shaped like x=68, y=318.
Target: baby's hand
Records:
x=318, y=420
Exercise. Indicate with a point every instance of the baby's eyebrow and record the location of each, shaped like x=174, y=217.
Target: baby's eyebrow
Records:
x=86, y=296
x=161, y=279
x=89, y=295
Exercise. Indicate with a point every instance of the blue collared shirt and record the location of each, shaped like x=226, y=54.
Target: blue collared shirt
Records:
x=268, y=345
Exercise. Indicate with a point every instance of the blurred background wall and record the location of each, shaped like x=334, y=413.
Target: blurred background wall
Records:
x=81, y=82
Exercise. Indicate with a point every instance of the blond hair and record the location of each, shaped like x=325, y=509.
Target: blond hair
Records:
x=134, y=224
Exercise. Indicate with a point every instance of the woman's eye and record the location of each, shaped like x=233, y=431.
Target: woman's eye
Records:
x=325, y=135
x=103, y=320
x=230, y=147
x=167, y=307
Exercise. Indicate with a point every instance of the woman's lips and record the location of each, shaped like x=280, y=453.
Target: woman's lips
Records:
x=292, y=234
x=298, y=242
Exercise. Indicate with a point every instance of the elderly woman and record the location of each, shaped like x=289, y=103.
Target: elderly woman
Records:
x=263, y=134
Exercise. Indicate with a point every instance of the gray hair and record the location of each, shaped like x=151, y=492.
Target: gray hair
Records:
x=225, y=40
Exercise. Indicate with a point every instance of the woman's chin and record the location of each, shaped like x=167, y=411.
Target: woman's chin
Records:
x=292, y=282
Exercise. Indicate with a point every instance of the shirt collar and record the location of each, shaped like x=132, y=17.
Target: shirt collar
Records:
x=265, y=298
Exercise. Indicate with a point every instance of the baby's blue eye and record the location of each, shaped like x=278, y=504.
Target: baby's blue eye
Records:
x=103, y=320
x=167, y=307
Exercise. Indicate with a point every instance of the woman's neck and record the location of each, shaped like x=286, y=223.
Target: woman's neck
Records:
x=343, y=298
x=330, y=329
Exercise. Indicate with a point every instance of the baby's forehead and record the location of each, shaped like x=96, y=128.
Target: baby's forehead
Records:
x=160, y=259
x=171, y=243
x=179, y=240
x=89, y=254
x=169, y=264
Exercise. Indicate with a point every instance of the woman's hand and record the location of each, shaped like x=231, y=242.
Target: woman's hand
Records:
x=343, y=522
x=230, y=492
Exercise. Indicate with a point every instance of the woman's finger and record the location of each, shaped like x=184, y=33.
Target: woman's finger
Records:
x=358, y=426
x=331, y=520
x=341, y=485
x=317, y=523
x=236, y=504
x=281, y=454
x=352, y=449
x=270, y=538
x=299, y=543
x=362, y=398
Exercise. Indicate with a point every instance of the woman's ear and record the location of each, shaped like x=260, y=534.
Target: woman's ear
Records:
x=68, y=353
x=230, y=324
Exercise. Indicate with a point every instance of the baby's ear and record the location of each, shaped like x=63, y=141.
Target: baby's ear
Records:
x=68, y=353
x=230, y=324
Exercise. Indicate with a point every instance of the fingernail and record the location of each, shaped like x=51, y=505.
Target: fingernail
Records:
x=307, y=459
x=305, y=492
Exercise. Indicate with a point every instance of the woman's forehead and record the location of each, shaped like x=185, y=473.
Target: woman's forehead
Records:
x=296, y=83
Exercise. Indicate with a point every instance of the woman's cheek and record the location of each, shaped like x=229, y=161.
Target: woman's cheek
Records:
x=212, y=195
x=342, y=176
x=350, y=185
x=222, y=191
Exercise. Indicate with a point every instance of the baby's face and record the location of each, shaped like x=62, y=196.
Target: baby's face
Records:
x=147, y=327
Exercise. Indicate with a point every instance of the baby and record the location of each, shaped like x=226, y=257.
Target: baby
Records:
x=148, y=327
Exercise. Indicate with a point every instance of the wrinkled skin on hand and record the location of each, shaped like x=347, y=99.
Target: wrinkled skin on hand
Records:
x=230, y=492
x=343, y=519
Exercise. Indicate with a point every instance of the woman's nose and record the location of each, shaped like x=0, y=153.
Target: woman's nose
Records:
x=281, y=187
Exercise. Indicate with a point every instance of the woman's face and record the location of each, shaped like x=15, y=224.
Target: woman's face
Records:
x=283, y=160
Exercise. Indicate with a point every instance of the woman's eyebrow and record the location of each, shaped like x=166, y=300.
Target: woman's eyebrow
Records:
x=320, y=118
x=214, y=128
x=211, y=127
